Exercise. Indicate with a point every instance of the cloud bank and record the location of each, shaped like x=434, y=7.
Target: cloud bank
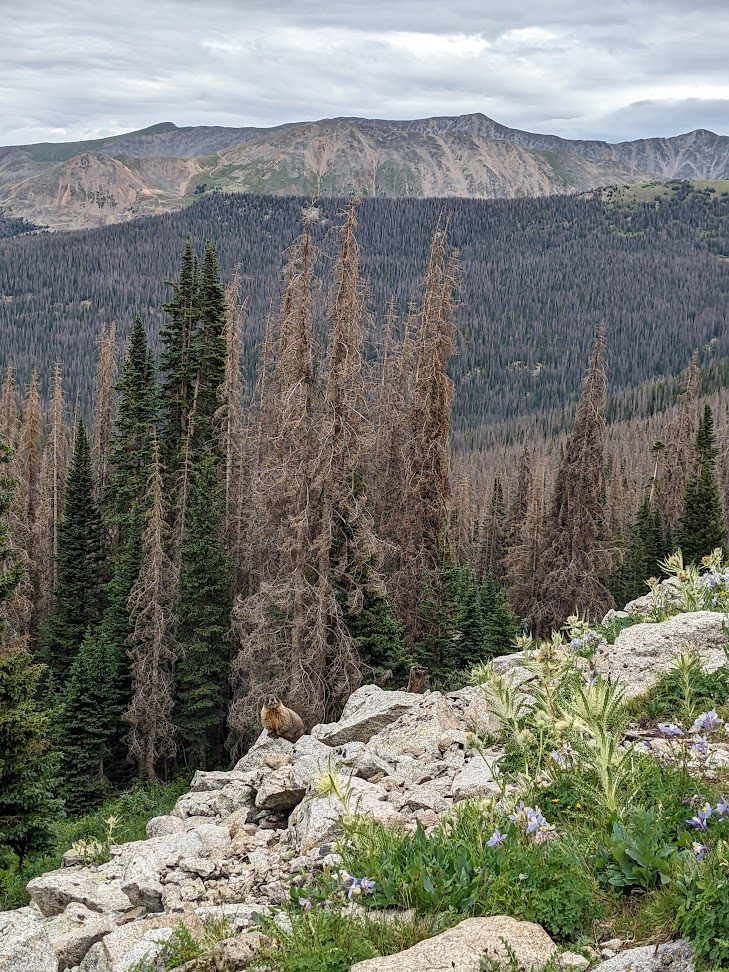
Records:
x=629, y=69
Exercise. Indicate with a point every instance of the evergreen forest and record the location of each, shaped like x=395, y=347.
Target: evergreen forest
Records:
x=214, y=495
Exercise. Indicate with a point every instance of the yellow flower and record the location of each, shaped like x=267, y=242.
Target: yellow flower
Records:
x=578, y=806
x=555, y=801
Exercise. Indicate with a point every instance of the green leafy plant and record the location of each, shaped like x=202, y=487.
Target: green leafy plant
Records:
x=703, y=914
x=638, y=855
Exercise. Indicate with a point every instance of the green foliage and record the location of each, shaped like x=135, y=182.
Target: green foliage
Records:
x=130, y=812
x=500, y=622
x=647, y=547
x=453, y=871
x=130, y=446
x=332, y=941
x=378, y=636
x=205, y=602
x=638, y=853
x=77, y=597
x=703, y=914
x=28, y=806
x=89, y=717
x=683, y=691
x=702, y=521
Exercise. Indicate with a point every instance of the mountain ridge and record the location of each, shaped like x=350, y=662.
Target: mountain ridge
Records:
x=160, y=168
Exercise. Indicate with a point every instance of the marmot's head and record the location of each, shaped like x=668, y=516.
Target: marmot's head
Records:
x=419, y=672
x=272, y=702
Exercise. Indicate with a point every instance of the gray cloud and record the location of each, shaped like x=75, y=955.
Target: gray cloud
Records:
x=629, y=69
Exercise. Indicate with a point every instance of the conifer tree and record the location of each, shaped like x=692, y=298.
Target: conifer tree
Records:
x=646, y=547
x=493, y=537
x=702, y=520
x=77, y=599
x=177, y=365
x=152, y=646
x=208, y=355
x=9, y=411
x=572, y=564
x=471, y=626
x=104, y=404
x=205, y=602
x=500, y=622
x=89, y=716
x=130, y=443
x=377, y=633
x=28, y=807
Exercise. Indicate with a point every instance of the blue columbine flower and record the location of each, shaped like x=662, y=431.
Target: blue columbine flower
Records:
x=668, y=729
x=306, y=904
x=722, y=808
x=699, y=821
x=707, y=722
x=367, y=885
x=701, y=746
x=699, y=850
x=537, y=823
x=497, y=839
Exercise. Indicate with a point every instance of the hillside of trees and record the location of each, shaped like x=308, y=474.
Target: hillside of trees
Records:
x=193, y=544
x=14, y=225
x=536, y=277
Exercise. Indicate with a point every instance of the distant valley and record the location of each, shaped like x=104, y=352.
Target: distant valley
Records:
x=103, y=181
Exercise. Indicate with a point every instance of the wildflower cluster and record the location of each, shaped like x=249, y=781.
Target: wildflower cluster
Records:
x=531, y=818
x=348, y=889
x=696, y=740
x=587, y=644
x=704, y=812
x=564, y=757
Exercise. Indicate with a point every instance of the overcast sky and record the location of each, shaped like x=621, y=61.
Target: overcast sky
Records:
x=614, y=69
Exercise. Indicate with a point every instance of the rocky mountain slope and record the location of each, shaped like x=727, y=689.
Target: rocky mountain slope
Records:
x=101, y=181
x=238, y=840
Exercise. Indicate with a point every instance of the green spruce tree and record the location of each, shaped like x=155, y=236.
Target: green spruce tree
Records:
x=204, y=606
x=500, y=622
x=470, y=646
x=89, y=719
x=377, y=633
x=208, y=356
x=702, y=523
x=77, y=599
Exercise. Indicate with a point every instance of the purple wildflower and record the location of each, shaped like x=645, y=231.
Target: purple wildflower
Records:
x=558, y=757
x=497, y=839
x=699, y=850
x=701, y=746
x=722, y=808
x=648, y=745
x=536, y=823
x=707, y=722
x=520, y=813
x=306, y=904
x=699, y=821
x=367, y=885
x=668, y=729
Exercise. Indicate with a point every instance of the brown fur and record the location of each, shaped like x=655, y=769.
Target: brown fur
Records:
x=418, y=681
x=280, y=721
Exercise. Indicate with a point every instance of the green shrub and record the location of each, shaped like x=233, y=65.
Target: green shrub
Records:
x=454, y=872
x=638, y=854
x=331, y=941
x=684, y=691
x=703, y=915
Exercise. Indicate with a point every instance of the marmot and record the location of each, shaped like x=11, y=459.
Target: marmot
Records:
x=418, y=681
x=281, y=721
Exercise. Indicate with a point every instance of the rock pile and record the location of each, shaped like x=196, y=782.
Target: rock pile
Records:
x=235, y=843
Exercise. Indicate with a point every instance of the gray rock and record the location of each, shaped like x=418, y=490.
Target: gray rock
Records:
x=200, y=804
x=361, y=761
x=424, y=797
x=237, y=953
x=145, y=861
x=571, y=960
x=671, y=957
x=367, y=712
x=642, y=652
x=74, y=932
x=233, y=797
x=165, y=825
x=465, y=947
x=130, y=945
x=418, y=732
x=93, y=887
x=238, y=916
x=666, y=595
x=264, y=746
x=316, y=821
x=24, y=943
x=214, y=780
x=278, y=791
x=476, y=779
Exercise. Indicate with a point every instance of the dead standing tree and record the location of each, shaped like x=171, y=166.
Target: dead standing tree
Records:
x=426, y=490
x=309, y=504
x=104, y=404
x=152, y=647
x=572, y=561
